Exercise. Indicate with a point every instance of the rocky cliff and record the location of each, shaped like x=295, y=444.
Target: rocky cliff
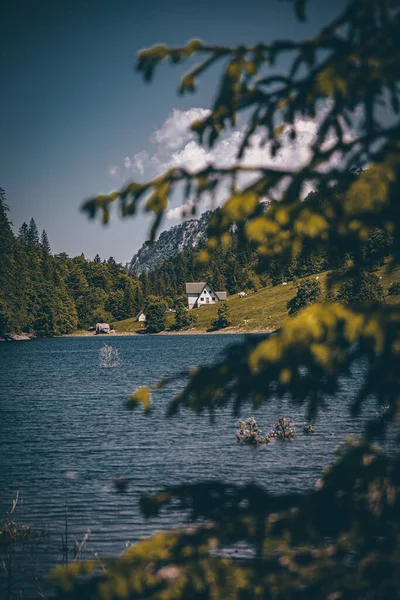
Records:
x=188, y=234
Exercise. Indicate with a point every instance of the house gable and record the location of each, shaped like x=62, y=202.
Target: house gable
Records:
x=201, y=294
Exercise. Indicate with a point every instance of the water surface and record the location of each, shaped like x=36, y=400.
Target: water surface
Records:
x=66, y=434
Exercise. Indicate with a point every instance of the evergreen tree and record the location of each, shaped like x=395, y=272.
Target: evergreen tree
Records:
x=363, y=288
x=6, y=234
x=23, y=232
x=129, y=301
x=97, y=259
x=394, y=289
x=145, y=283
x=33, y=234
x=8, y=293
x=115, y=305
x=45, y=244
x=156, y=319
x=184, y=318
x=46, y=295
x=308, y=292
x=223, y=319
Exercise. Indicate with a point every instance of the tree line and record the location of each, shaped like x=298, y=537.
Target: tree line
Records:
x=45, y=294
x=239, y=266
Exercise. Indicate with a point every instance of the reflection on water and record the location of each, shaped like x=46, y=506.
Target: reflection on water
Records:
x=66, y=435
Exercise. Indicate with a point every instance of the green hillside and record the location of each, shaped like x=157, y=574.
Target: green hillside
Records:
x=259, y=311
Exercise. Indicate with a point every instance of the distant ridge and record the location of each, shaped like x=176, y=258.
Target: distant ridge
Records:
x=188, y=234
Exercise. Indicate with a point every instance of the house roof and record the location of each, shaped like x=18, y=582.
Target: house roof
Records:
x=141, y=312
x=195, y=288
x=221, y=295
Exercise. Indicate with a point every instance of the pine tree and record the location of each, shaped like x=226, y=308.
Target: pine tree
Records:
x=6, y=234
x=156, y=320
x=45, y=244
x=308, y=292
x=223, y=317
x=8, y=292
x=362, y=288
x=183, y=317
x=23, y=232
x=129, y=307
x=33, y=234
x=97, y=259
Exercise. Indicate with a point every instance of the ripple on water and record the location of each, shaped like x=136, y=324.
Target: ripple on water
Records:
x=65, y=436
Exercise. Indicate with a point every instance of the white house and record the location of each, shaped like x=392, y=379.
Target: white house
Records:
x=141, y=317
x=201, y=293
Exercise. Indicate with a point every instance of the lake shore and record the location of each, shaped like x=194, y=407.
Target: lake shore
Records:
x=228, y=330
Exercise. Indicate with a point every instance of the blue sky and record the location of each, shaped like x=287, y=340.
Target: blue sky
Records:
x=76, y=119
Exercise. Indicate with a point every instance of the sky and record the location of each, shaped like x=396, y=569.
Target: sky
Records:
x=77, y=120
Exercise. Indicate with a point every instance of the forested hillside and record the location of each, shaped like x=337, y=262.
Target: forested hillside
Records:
x=44, y=295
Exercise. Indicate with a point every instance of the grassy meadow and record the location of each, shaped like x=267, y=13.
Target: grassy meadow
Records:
x=259, y=311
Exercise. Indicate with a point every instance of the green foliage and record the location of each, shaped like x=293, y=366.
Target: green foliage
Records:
x=223, y=317
x=53, y=295
x=377, y=247
x=45, y=244
x=33, y=235
x=341, y=539
x=11, y=531
x=361, y=289
x=156, y=319
x=394, y=289
x=308, y=292
x=55, y=312
x=183, y=317
x=140, y=398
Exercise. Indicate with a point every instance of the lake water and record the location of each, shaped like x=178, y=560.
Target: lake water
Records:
x=65, y=434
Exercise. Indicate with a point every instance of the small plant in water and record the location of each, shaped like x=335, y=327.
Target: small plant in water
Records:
x=11, y=531
x=109, y=357
x=308, y=428
x=249, y=433
x=283, y=429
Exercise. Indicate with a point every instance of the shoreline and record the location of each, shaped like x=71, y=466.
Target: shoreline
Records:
x=83, y=334
x=228, y=330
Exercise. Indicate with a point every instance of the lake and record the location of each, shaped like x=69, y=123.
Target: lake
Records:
x=66, y=434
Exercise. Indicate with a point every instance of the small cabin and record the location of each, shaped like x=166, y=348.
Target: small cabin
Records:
x=201, y=293
x=102, y=328
x=141, y=317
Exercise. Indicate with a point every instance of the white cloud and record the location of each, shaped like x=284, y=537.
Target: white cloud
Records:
x=140, y=161
x=175, y=130
x=174, y=145
x=182, y=211
x=113, y=170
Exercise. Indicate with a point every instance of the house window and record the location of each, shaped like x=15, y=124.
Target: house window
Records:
x=213, y=299
x=201, y=299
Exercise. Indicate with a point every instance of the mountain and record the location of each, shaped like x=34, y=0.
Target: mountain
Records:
x=188, y=234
